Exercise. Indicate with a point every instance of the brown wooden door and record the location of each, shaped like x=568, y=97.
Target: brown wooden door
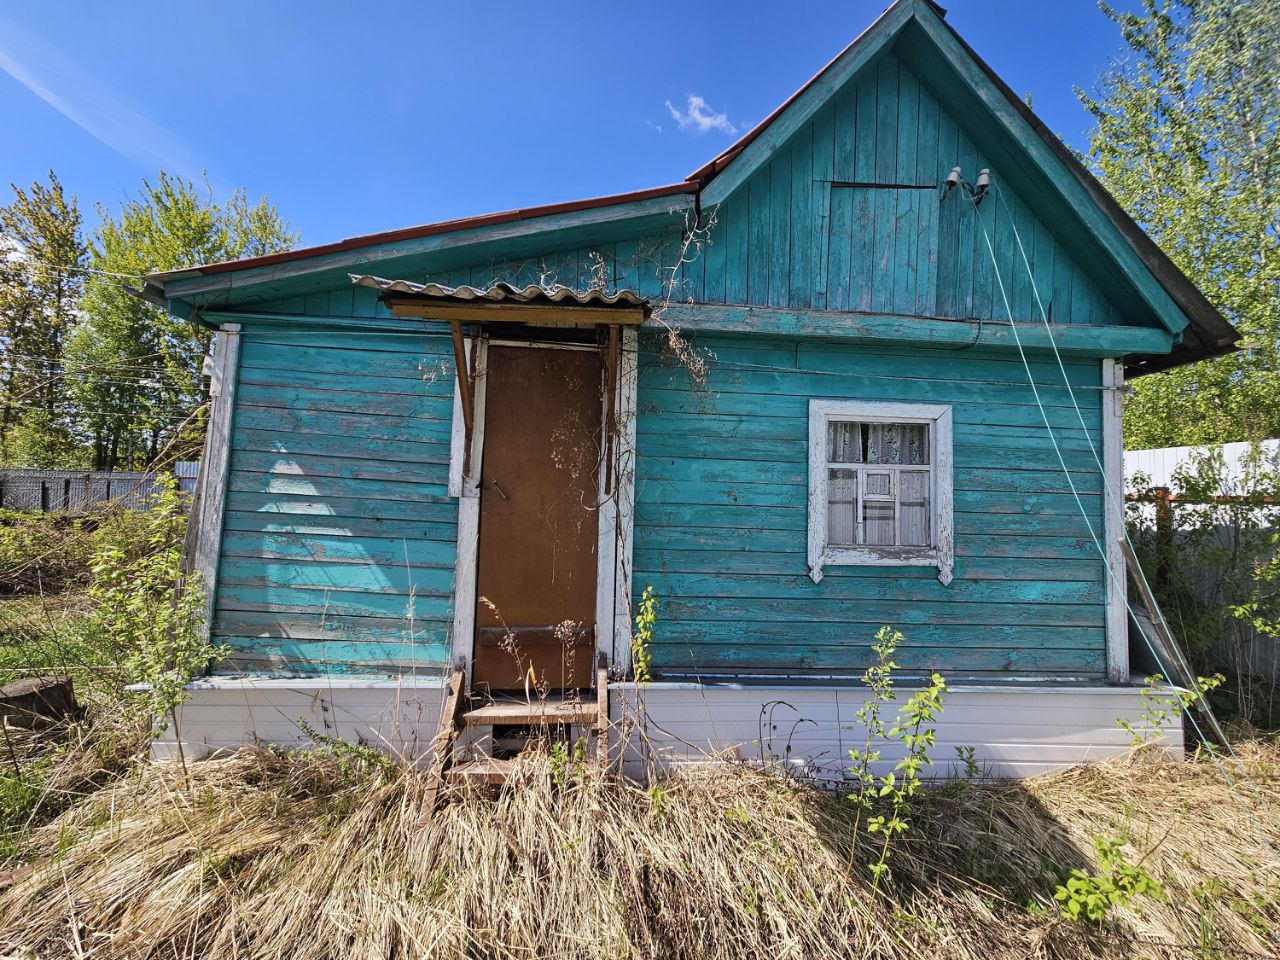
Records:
x=536, y=565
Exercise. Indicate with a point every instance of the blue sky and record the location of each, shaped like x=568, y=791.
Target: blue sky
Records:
x=357, y=118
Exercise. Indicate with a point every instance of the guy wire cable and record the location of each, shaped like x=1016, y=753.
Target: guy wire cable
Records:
x=1089, y=524
x=1112, y=496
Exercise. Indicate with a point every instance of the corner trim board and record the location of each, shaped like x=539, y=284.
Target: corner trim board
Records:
x=213, y=468
x=467, y=490
x=1117, y=611
x=621, y=528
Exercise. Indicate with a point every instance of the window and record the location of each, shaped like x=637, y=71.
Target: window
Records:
x=879, y=485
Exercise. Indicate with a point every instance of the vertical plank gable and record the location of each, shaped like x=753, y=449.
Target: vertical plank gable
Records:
x=884, y=203
x=799, y=220
x=800, y=232
x=779, y=234
x=759, y=233
x=864, y=215
x=824, y=149
x=903, y=263
x=928, y=170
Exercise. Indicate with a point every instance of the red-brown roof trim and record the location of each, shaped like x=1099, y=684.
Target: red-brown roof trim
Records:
x=443, y=226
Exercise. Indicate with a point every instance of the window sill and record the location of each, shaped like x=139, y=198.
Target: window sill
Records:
x=883, y=557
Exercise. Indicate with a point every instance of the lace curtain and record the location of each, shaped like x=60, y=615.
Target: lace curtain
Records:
x=894, y=508
x=887, y=443
x=897, y=443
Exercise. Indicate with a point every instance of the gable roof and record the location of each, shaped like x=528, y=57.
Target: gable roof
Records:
x=917, y=31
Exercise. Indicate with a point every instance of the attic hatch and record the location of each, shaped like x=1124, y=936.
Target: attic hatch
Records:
x=555, y=306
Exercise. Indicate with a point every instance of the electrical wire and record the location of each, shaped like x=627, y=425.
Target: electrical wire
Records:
x=65, y=268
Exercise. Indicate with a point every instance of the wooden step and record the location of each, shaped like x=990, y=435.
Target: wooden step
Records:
x=481, y=770
x=541, y=713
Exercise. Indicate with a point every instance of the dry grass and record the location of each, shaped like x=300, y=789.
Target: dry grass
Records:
x=263, y=855
x=45, y=771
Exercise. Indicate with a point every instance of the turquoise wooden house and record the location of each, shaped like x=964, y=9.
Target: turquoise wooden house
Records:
x=865, y=367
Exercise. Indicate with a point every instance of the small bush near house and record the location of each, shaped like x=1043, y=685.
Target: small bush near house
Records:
x=90, y=598
x=48, y=553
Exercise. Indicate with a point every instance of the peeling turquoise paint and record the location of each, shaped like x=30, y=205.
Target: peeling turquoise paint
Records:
x=340, y=539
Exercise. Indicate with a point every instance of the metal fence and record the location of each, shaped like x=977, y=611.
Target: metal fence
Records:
x=1164, y=516
x=76, y=490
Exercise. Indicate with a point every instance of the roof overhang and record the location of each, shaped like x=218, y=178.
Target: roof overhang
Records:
x=429, y=248
x=534, y=305
x=1129, y=266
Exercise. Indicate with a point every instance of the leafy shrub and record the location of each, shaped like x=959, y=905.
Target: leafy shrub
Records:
x=41, y=552
x=1215, y=574
x=887, y=799
x=642, y=637
x=50, y=552
x=1087, y=896
x=1161, y=705
x=143, y=603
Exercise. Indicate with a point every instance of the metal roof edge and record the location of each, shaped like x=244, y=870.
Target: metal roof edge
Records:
x=424, y=230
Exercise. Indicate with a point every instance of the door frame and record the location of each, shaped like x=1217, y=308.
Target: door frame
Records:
x=614, y=534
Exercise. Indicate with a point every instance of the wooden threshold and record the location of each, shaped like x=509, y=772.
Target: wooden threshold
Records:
x=541, y=713
x=482, y=770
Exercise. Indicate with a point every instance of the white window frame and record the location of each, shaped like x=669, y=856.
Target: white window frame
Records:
x=941, y=552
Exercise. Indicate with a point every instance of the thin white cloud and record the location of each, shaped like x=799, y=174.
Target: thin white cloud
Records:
x=91, y=105
x=700, y=117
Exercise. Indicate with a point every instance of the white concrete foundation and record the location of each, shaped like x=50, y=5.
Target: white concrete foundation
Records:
x=1015, y=729
x=399, y=715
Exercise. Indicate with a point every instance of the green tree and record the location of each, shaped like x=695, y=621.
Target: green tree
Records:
x=42, y=255
x=1187, y=138
x=149, y=363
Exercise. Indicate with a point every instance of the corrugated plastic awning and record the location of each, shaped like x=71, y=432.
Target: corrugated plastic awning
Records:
x=556, y=304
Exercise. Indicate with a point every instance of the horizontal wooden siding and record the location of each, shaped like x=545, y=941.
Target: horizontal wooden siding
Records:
x=720, y=520
x=339, y=535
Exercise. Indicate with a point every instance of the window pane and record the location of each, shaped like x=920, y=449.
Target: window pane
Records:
x=913, y=508
x=844, y=442
x=897, y=443
x=878, y=485
x=878, y=521
x=842, y=507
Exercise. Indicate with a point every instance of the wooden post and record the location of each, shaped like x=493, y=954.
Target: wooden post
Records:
x=465, y=386
x=1164, y=537
x=1161, y=628
x=1117, y=609
x=602, y=716
x=442, y=744
x=217, y=455
x=1165, y=636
